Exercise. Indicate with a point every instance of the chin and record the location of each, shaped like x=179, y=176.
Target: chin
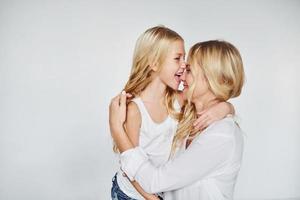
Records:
x=174, y=86
x=184, y=92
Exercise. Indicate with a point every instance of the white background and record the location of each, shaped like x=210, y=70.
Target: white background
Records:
x=61, y=62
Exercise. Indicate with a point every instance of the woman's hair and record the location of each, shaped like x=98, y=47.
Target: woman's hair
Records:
x=223, y=70
x=151, y=49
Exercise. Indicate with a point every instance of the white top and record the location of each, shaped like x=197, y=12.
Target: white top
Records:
x=155, y=139
x=207, y=169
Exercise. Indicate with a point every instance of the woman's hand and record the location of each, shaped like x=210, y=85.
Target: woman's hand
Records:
x=212, y=114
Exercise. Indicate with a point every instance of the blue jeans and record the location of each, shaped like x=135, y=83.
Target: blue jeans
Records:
x=117, y=193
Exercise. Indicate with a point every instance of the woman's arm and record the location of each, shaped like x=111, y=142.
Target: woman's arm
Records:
x=207, y=153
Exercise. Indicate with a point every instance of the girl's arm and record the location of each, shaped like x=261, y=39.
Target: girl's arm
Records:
x=132, y=126
x=146, y=195
x=212, y=114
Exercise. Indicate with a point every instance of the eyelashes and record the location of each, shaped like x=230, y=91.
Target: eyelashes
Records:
x=188, y=69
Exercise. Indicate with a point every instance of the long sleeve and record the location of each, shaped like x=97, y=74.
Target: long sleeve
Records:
x=207, y=153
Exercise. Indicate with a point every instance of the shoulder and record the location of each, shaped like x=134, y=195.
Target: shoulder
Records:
x=133, y=111
x=219, y=133
x=133, y=122
x=224, y=127
x=133, y=118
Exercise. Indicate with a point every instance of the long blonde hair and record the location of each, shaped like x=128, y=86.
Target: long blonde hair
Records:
x=223, y=69
x=151, y=49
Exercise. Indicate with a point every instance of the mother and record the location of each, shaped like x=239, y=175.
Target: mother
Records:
x=204, y=164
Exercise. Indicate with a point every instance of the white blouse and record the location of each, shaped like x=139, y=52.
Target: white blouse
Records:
x=207, y=169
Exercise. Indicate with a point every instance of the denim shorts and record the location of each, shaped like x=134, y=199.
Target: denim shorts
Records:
x=117, y=193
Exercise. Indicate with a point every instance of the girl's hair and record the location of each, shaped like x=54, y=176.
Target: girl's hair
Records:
x=151, y=49
x=223, y=69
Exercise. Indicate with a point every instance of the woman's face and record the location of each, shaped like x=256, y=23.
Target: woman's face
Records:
x=169, y=73
x=193, y=77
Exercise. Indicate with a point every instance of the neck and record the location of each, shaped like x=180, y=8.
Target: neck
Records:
x=154, y=92
x=205, y=101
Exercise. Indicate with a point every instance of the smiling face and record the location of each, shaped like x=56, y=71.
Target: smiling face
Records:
x=194, y=82
x=215, y=69
x=173, y=62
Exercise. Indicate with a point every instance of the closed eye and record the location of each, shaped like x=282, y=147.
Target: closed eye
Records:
x=188, y=69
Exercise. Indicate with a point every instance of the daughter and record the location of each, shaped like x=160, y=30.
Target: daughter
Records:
x=154, y=109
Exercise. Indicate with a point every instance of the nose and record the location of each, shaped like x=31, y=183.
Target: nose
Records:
x=181, y=68
x=183, y=65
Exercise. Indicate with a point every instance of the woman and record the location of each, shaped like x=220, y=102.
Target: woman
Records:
x=205, y=164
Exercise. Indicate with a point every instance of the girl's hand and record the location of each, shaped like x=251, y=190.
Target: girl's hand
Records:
x=152, y=197
x=212, y=114
x=117, y=112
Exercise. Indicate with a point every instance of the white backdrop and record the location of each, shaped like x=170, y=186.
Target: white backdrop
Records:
x=62, y=61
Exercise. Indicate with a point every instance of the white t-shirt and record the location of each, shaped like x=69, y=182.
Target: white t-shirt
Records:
x=155, y=139
x=207, y=169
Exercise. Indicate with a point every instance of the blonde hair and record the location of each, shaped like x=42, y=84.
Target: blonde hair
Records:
x=223, y=69
x=151, y=49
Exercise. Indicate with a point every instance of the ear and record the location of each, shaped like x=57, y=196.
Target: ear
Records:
x=154, y=67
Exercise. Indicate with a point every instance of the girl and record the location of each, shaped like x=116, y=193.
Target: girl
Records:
x=153, y=111
x=206, y=163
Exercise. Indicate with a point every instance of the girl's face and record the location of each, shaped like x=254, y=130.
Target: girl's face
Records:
x=169, y=73
x=193, y=75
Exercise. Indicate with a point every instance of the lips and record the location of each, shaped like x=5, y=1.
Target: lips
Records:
x=185, y=85
x=177, y=77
